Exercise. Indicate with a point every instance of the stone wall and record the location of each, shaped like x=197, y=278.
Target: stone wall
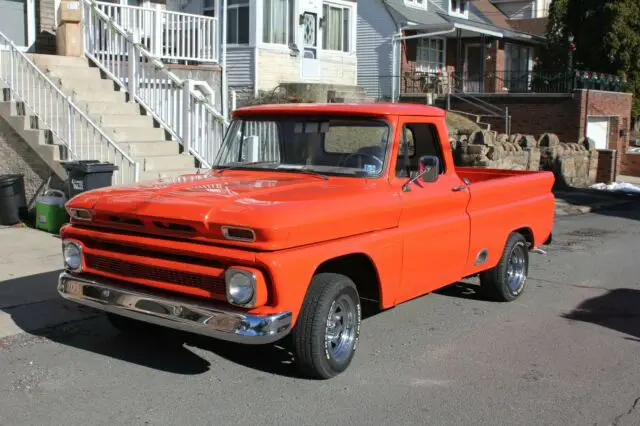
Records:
x=573, y=164
x=16, y=157
x=483, y=149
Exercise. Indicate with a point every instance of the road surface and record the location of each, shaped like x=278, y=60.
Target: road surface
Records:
x=566, y=353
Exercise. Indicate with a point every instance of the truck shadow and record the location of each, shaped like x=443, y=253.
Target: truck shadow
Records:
x=35, y=307
x=617, y=310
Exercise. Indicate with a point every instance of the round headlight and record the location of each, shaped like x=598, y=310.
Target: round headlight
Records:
x=72, y=254
x=240, y=286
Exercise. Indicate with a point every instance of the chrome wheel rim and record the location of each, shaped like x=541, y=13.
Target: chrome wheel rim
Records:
x=341, y=328
x=517, y=269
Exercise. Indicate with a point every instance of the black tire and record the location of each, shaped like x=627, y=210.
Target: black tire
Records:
x=132, y=327
x=499, y=283
x=319, y=356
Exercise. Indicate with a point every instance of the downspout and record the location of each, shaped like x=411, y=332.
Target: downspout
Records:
x=223, y=59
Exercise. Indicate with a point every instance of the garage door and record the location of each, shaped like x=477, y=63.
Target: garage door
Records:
x=598, y=130
x=13, y=18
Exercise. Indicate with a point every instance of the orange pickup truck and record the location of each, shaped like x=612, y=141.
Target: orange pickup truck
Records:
x=308, y=211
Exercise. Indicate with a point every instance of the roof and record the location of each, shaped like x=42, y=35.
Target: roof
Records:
x=484, y=17
x=536, y=26
x=359, y=109
x=406, y=15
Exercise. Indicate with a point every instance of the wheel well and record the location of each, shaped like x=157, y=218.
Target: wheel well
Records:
x=360, y=268
x=527, y=233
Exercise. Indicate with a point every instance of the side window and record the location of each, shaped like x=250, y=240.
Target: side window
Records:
x=421, y=139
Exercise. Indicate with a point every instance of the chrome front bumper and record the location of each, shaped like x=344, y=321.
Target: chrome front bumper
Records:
x=174, y=312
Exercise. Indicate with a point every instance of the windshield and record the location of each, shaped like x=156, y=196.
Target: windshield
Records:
x=328, y=146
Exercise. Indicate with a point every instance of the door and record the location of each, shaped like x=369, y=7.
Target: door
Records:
x=434, y=221
x=310, y=66
x=598, y=130
x=13, y=20
x=473, y=63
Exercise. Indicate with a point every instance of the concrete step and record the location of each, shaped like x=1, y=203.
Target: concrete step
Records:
x=43, y=61
x=110, y=108
x=65, y=71
x=81, y=83
x=168, y=162
x=155, y=175
x=91, y=96
x=135, y=134
x=121, y=120
x=150, y=149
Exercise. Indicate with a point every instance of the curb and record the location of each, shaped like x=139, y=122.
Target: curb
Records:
x=578, y=209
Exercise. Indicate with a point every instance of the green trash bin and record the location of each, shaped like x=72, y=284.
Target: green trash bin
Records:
x=50, y=211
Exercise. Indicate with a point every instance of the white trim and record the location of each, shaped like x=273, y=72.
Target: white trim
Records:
x=478, y=30
x=31, y=22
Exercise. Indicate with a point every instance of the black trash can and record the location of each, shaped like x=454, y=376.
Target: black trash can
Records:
x=85, y=175
x=13, y=201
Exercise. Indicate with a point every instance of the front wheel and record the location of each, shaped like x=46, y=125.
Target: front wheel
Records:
x=328, y=328
x=507, y=280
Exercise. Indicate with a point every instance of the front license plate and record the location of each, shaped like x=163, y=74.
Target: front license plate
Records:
x=74, y=288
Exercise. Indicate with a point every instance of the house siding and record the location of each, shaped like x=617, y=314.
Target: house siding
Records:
x=375, y=50
x=240, y=66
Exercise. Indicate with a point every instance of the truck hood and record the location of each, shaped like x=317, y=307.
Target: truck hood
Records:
x=284, y=209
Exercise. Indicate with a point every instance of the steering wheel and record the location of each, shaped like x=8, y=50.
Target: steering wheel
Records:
x=362, y=154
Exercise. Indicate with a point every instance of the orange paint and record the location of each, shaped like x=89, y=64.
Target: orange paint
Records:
x=418, y=241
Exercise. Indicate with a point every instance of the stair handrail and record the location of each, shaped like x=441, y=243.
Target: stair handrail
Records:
x=74, y=149
x=177, y=126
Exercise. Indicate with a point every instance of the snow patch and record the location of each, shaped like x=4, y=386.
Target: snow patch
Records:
x=617, y=187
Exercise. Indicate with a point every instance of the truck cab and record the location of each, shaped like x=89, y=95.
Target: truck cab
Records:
x=308, y=211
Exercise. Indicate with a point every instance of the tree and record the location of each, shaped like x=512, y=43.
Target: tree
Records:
x=607, y=39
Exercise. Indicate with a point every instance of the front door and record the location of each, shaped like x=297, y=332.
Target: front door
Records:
x=473, y=78
x=434, y=221
x=310, y=64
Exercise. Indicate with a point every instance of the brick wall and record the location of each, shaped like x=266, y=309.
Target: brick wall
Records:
x=630, y=164
x=16, y=157
x=45, y=27
x=562, y=114
x=606, y=166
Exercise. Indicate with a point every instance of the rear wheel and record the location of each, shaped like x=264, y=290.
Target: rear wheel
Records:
x=326, y=335
x=507, y=280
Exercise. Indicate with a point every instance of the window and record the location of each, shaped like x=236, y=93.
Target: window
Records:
x=422, y=4
x=336, y=28
x=420, y=139
x=326, y=145
x=237, y=21
x=209, y=8
x=430, y=55
x=278, y=22
x=459, y=7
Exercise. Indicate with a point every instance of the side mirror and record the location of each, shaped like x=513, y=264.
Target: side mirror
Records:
x=429, y=171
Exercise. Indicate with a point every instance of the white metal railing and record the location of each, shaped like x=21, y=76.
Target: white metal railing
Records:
x=168, y=35
x=80, y=138
x=180, y=106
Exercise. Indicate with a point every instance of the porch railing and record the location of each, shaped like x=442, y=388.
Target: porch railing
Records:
x=507, y=82
x=182, y=107
x=77, y=135
x=167, y=35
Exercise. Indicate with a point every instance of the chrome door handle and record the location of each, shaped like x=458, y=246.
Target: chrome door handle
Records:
x=459, y=188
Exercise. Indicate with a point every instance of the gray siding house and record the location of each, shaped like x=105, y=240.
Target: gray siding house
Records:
x=421, y=46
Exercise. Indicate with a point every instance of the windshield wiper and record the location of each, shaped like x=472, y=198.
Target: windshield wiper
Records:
x=305, y=171
x=244, y=165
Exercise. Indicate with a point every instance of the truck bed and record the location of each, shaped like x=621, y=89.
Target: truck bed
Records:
x=502, y=201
